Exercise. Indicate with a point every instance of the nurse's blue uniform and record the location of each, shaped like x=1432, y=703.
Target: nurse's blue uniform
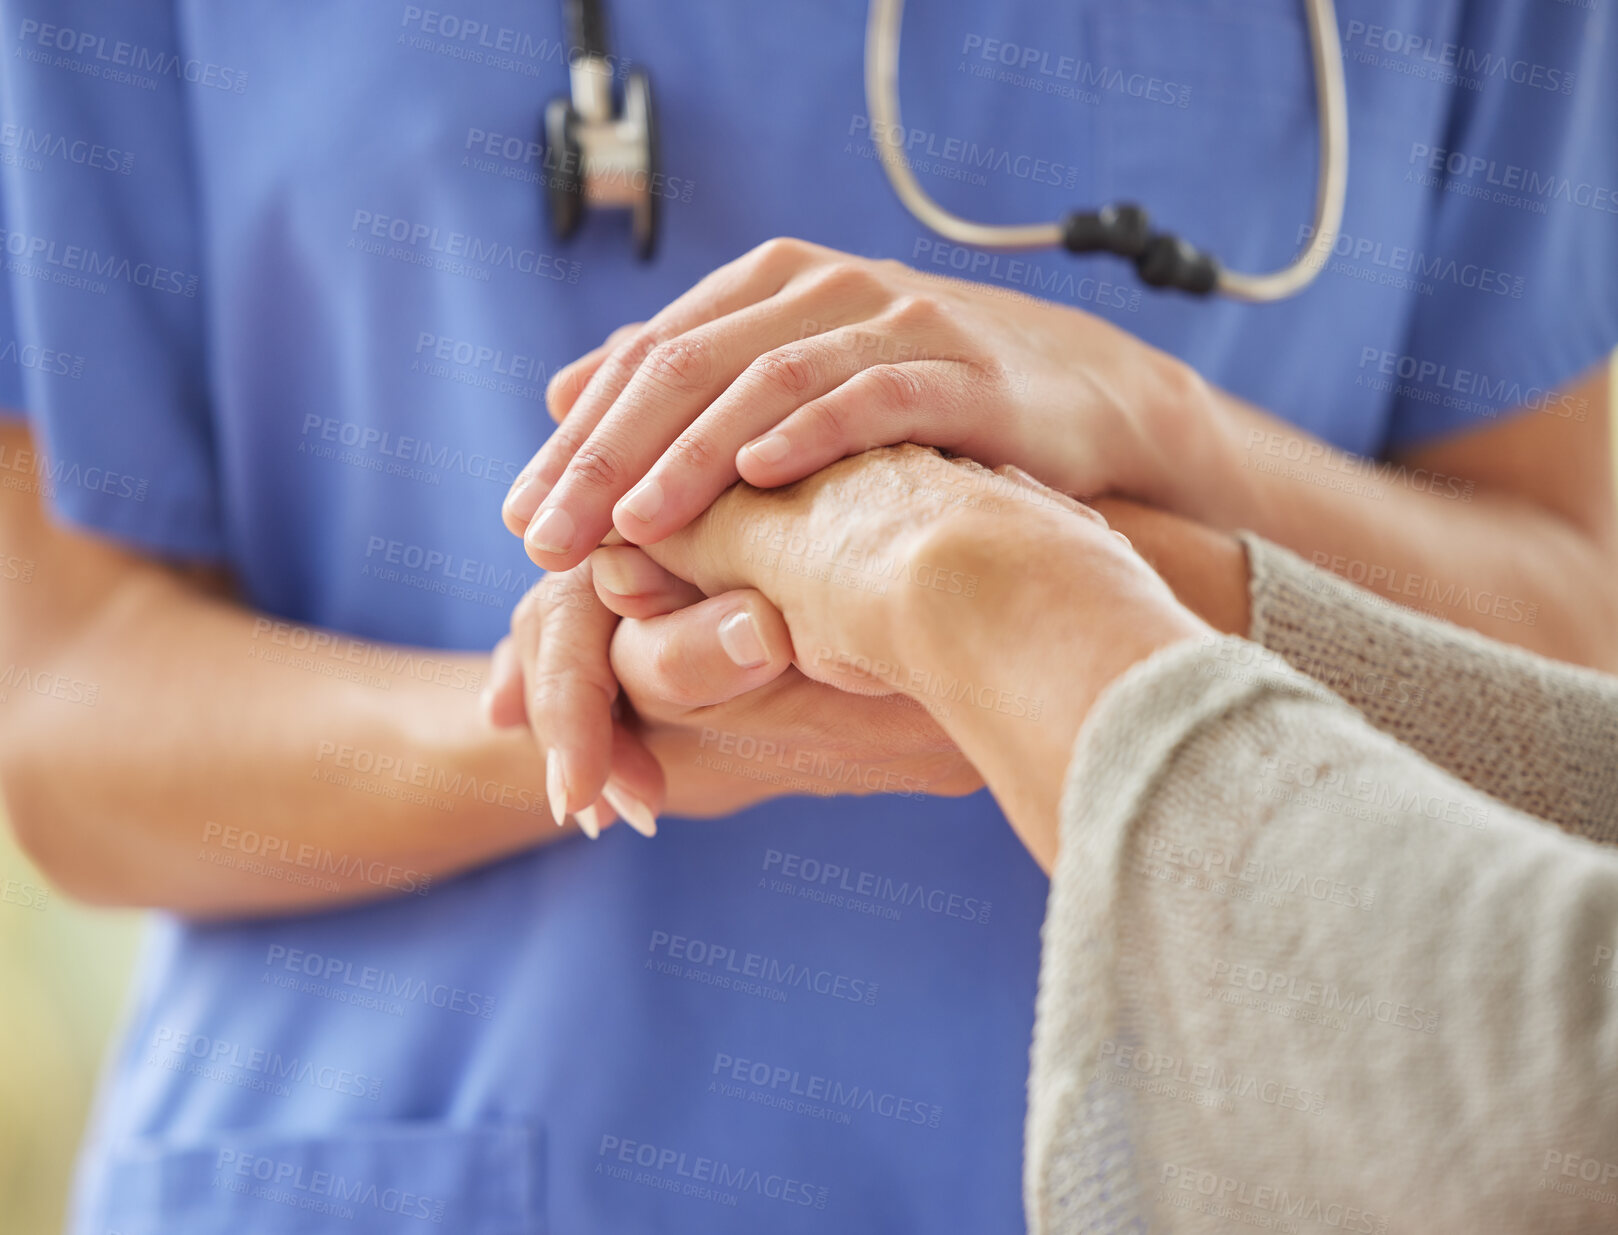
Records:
x=281, y=297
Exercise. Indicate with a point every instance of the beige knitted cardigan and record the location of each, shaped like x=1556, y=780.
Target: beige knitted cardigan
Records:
x=1338, y=960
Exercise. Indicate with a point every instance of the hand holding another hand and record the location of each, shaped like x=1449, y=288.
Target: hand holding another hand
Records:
x=794, y=356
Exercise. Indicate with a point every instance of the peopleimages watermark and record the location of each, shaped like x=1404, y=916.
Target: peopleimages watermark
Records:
x=268, y=854
x=1145, y=1068
x=1058, y=283
x=345, y=650
x=474, y=41
x=438, y=570
x=1372, y=261
x=31, y=471
x=1469, y=390
x=1423, y=592
x=1266, y=877
x=337, y=975
x=249, y=1067
x=1334, y=790
x=823, y=1097
x=48, y=360
x=373, y=448
x=1418, y=55
x=1505, y=183
x=699, y=1176
x=300, y=1186
x=725, y=966
x=1583, y=1168
x=958, y=157
x=47, y=684
x=24, y=895
x=936, y=692
x=1314, y=458
x=1237, y=979
x=82, y=268
x=1218, y=1192
x=453, y=252
x=816, y=878
x=28, y=148
x=1035, y=68
x=121, y=62
x=527, y=161
x=481, y=366
x=410, y=773
x=803, y=769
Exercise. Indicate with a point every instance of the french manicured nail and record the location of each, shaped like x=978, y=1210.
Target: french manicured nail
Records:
x=590, y=820
x=644, y=500
x=635, y=812
x=738, y=635
x=556, y=785
x=771, y=448
x=552, y=531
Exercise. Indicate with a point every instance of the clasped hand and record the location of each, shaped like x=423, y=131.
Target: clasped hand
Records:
x=769, y=370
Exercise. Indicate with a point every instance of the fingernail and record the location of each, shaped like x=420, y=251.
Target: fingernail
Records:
x=590, y=820
x=556, y=785
x=635, y=812
x=526, y=494
x=486, y=703
x=738, y=635
x=771, y=448
x=551, y=531
x=610, y=573
x=644, y=500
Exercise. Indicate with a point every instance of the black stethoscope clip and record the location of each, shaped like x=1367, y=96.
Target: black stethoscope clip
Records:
x=597, y=157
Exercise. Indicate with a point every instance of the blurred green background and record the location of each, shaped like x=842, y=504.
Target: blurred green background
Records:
x=63, y=973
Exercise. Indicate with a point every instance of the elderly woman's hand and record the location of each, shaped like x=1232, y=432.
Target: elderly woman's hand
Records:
x=1001, y=607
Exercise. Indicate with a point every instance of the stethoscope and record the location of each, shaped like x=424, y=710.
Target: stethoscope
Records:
x=600, y=158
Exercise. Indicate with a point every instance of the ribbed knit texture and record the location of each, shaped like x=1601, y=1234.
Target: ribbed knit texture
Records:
x=1537, y=734
x=1296, y=976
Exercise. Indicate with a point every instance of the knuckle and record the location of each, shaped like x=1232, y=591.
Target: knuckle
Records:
x=895, y=386
x=780, y=251
x=598, y=466
x=672, y=673
x=787, y=369
x=918, y=312
x=694, y=451
x=832, y=417
x=628, y=355
x=682, y=364
x=547, y=690
x=844, y=280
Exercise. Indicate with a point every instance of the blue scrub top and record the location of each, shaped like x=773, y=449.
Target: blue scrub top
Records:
x=281, y=297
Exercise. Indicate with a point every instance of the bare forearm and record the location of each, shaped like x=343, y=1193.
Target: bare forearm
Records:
x=207, y=760
x=162, y=746
x=1480, y=554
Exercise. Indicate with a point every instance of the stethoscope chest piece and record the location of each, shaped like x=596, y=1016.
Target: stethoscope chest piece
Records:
x=596, y=157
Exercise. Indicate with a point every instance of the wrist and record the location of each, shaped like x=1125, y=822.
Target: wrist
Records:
x=1186, y=446
x=1047, y=601
x=1060, y=610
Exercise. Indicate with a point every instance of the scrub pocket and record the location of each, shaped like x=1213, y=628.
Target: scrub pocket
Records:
x=397, y=1178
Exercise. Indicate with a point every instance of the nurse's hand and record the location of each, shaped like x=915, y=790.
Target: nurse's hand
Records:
x=711, y=717
x=795, y=356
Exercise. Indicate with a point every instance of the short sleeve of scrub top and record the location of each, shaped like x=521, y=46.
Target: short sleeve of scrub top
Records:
x=103, y=267
x=1517, y=282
